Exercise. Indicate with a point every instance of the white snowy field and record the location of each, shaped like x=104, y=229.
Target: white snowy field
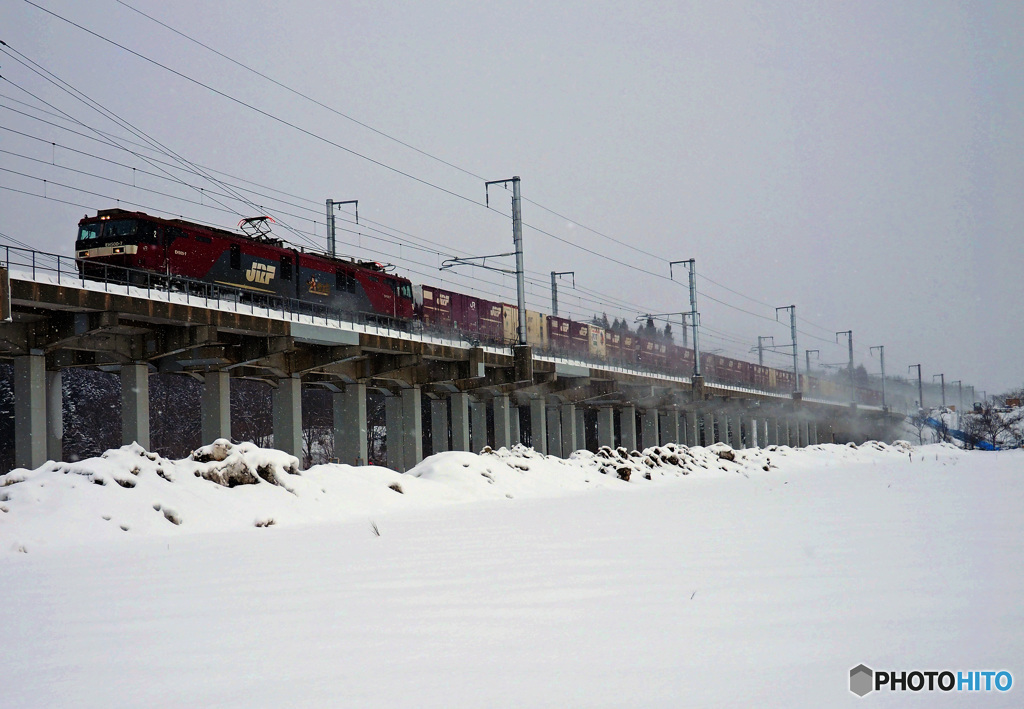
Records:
x=511, y=580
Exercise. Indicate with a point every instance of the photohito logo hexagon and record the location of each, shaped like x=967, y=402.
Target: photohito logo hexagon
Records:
x=861, y=680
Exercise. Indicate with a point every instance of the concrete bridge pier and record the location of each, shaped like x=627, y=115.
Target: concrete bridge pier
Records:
x=412, y=427
x=721, y=427
x=287, y=413
x=649, y=428
x=554, y=431
x=514, y=431
x=54, y=415
x=568, y=423
x=813, y=433
x=736, y=430
x=581, y=429
x=627, y=426
x=394, y=435
x=459, y=403
x=539, y=426
x=135, y=405
x=805, y=432
x=439, y=425
x=478, y=425
x=606, y=426
x=30, y=411
x=771, y=431
x=350, y=424
x=668, y=427
x=216, y=421
x=502, y=421
x=750, y=437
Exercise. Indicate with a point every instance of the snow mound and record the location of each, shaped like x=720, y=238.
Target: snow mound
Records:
x=229, y=487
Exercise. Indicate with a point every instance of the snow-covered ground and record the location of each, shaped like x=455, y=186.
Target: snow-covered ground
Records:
x=510, y=579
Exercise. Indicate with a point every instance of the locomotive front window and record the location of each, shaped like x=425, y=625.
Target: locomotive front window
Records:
x=88, y=231
x=406, y=291
x=120, y=228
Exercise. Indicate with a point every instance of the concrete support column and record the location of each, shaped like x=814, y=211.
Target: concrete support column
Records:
x=771, y=431
x=478, y=425
x=459, y=403
x=627, y=426
x=539, y=426
x=721, y=428
x=216, y=421
x=752, y=440
x=669, y=427
x=502, y=422
x=54, y=415
x=135, y=405
x=736, y=431
x=29, y=411
x=805, y=435
x=568, y=413
x=350, y=424
x=514, y=430
x=581, y=430
x=649, y=428
x=554, y=432
x=606, y=427
x=287, y=404
x=693, y=419
x=439, y=425
x=394, y=433
x=813, y=440
x=412, y=426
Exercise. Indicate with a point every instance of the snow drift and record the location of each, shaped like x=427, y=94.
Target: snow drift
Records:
x=224, y=486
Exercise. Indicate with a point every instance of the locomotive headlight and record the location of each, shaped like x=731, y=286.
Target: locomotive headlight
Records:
x=119, y=250
x=83, y=254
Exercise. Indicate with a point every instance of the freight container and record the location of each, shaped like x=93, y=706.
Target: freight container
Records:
x=579, y=333
x=598, y=342
x=434, y=306
x=537, y=329
x=652, y=354
x=759, y=376
x=510, y=323
x=491, y=323
x=566, y=336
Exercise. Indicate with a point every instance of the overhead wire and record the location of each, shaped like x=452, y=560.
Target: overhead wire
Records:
x=225, y=95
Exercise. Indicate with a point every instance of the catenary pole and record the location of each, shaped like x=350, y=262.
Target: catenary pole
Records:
x=796, y=351
x=920, y=386
x=517, y=239
x=331, y=204
x=942, y=379
x=881, y=356
x=554, y=287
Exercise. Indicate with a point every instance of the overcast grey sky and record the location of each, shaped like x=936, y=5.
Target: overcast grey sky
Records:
x=864, y=161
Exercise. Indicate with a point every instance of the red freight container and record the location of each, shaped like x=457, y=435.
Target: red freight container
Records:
x=448, y=310
x=652, y=353
x=492, y=326
x=579, y=336
x=567, y=336
x=620, y=347
x=680, y=359
x=435, y=306
x=760, y=375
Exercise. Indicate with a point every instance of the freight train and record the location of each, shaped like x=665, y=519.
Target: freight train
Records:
x=117, y=243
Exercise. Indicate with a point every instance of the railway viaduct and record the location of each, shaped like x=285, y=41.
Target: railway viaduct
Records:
x=50, y=321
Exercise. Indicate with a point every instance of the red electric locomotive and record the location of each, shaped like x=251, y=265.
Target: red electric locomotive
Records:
x=257, y=265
